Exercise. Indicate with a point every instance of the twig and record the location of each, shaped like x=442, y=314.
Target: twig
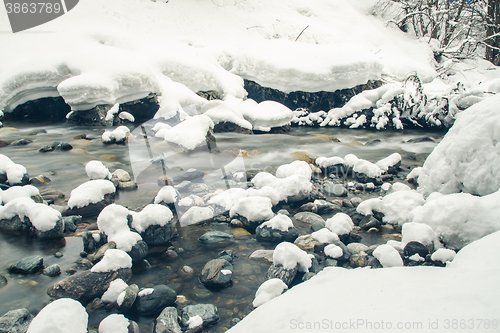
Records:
x=301, y=32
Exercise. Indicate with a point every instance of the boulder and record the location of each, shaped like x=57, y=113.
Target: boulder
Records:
x=15, y=321
x=92, y=209
x=167, y=321
x=52, y=270
x=217, y=273
x=87, y=285
x=130, y=296
x=155, y=235
x=139, y=251
x=285, y=275
x=207, y=312
x=152, y=303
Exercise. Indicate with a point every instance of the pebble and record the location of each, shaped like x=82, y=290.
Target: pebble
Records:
x=58, y=255
x=52, y=270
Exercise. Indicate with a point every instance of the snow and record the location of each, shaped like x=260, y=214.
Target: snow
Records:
x=294, y=168
x=114, y=323
x=254, y=209
x=388, y=256
x=228, y=198
x=191, y=133
x=90, y=192
x=350, y=160
x=195, y=215
x=367, y=168
x=325, y=236
x=195, y=321
x=269, y=290
x=96, y=170
x=460, y=218
x=119, y=134
x=419, y=232
x=395, y=206
x=145, y=292
x=113, y=260
x=113, y=221
x=166, y=194
x=291, y=188
x=264, y=115
x=414, y=173
x=220, y=111
x=226, y=271
x=389, y=161
x=333, y=251
x=340, y=224
x=468, y=157
x=110, y=115
x=42, y=217
x=151, y=215
x=443, y=255
x=116, y=287
x=126, y=116
x=325, y=162
x=479, y=255
x=289, y=256
x=266, y=191
x=15, y=192
x=279, y=222
x=400, y=187
x=61, y=316
x=13, y=171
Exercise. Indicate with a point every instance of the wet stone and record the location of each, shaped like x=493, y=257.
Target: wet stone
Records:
x=317, y=226
x=70, y=222
x=130, y=296
x=27, y=265
x=21, y=142
x=186, y=272
x=208, y=312
x=52, y=270
x=95, y=305
x=139, y=251
x=369, y=222
x=212, y=237
x=100, y=252
x=358, y=260
x=356, y=248
x=308, y=217
x=309, y=207
x=217, y=273
x=15, y=321
x=285, y=275
x=269, y=234
x=262, y=255
x=167, y=321
x=150, y=304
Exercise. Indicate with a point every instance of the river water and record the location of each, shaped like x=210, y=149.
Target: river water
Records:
x=66, y=169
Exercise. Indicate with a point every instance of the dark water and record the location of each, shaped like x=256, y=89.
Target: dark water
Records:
x=265, y=152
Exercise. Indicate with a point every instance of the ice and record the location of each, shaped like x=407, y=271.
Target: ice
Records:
x=116, y=287
x=90, y=192
x=15, y=192
x=254, y=209
x=113, y=221
x=269, y=290
x=114, y=323
x=279, y=222
x=152, y=214
x=42, y=217
x=191, y=133
x=113, y=260
x=325, y=236
x=333, y=251
x=96, y=170
x=340, y=224
x=166, y=194
x=61, y=316
x=294, y=168
x=468, y=157
x=289, y=256
x=388, y=256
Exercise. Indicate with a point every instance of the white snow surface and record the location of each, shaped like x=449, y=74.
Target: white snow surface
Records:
x=90, y=192
x=166, y=194
x=269, y=290
x=289, y=188
x=96, y=170
x=43, y=217
x=118, y=134
x=15, y=192
x=418, y=232
x=325, y=236
x=279, y=222
x=61, y=316
x=388, y=256
x=152, y=214
x=113, y=260
x=114, y=323
x=443, y=255
x=195, y=321
x=189, y=134
x=220, y=111
x=368, y=168
x=294, y=168
x=389, y=161
x=254, y=209
x=145, y=291
x=455, y=293
x=340, y=224
x=113, y=221
x=468, y=157
x=289, y=256
x=228, y=198
x=116, y=287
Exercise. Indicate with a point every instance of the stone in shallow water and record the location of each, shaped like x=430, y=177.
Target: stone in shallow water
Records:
x=263, y=255
x=308, y=217
x=161, y=297
x=269, y=234
x=52, y=270
x=167, y=321
x=27, y=265
x=129, y=298
x=15, y=321
x=208, y=312
x=211, y=237
x=217, y=273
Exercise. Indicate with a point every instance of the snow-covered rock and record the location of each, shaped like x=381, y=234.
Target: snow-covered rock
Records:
x=222, y=113
x=443, y=255
x=292, y=188
x=14, y=192
x=195, y=215
x=113, y=260
x=419, y=232
x=118, y=135
x=340, y=224
x=155, y=224
x=116, y=287
x=325, y=236
x=388, y=256
x=253, y=209
x=269, y=290
x=390, y=164
x=114, y=323
x=89, y=198
x=294, y=168
x=468, y=157
x=96, y=170
x=61, y=316
x=113, y=221
x=290, y=256
x=12, y=173
x=191, y=134
x=333, y=251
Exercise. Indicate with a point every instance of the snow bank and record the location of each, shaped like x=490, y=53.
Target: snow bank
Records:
x=113, y=260
x=269, y=290
x=114, y=323
x=460, y=218
x=113, y=221
x=90, y=192
x=454, y=291
x=468, y=157
x=151, y=215
x=61, y=316
x=42, y=217
x=289, y=256
x=96, y=170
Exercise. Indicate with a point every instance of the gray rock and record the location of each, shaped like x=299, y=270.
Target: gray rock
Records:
x=121, y=175
x=27, y=265
x=133, y=327
x=284, y=212
x=155, y=235
x=307, y=242
x=87, y=285
x=139, y=251
x=100, y=252
x=308, y=217
x=84, y=263
x=217, y=273
x=358, y=260
x=167, y=321
x=150, y=304
x=337, y=190
x=309, y=207
x=92, y=209
x=130, y=296
x=207, y=312
x=285, y=275
x=356, y=248
x=211, y=237
x=70, y=222
x=127, y=186
x=369, y=222
x=56, y=232
x=318, y=225
x=346, y=254
x=262, y=255
x=14, y=224
x=327, y=207
x=15, y=321
x=52, y=270
x=413, y=248
x=21, y=142
x=268, y=234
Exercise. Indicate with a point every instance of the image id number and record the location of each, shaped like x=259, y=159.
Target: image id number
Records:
x=32, y=8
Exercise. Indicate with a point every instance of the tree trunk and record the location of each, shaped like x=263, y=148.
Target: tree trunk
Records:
x=493, y=53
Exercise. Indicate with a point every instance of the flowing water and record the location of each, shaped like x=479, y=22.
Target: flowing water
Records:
x=66, y=169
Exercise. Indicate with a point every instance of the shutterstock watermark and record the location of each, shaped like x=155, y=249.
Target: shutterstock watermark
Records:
x=452, y=325
x=26, y=14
